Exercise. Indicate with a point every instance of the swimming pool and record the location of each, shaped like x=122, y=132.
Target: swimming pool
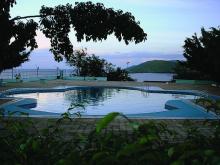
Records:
x=99, y=101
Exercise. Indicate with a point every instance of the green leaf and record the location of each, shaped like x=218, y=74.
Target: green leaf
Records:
x=209, y=152
x=128, y=150
x=134, y=125
x=65, y=116
x=99, y=155
x=178, y=162
x=35, y=145
x=218, y=104
x=22, y=147
x=170, y=152
x=105, y=121
x=61, y=162
x=143, y=140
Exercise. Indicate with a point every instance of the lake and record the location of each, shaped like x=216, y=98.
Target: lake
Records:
x=30, y=73
x=140, y=77
x=33, y=73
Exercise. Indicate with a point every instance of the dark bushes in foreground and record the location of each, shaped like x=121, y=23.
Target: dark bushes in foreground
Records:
x=21, y=143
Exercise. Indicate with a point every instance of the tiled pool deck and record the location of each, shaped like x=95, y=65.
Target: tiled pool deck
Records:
x=121, y=127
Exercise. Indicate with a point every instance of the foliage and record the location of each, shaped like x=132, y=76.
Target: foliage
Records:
x=90, y=22
x=106, y=120
x=118, y=74
x=151, y=143
x=155, y=66
x=91, y=65
x=202, y=53
x=182, y=72
x=209, y=104
x=87, y=65
x=16, y=38
x=96, y=66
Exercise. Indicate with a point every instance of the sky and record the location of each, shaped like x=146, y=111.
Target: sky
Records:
x=166, y=22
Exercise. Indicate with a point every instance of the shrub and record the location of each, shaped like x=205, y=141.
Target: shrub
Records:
x=118, y=75
x=151, y=143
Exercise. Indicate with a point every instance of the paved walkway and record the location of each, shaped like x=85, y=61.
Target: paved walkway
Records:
x=121, y=126
x=54, y=83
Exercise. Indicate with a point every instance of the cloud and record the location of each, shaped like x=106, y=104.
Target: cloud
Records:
x=137, y=57
x=44, y=58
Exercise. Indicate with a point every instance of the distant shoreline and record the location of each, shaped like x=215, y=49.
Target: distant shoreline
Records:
x=152, y=77
x=155, y=66
x=152, y=72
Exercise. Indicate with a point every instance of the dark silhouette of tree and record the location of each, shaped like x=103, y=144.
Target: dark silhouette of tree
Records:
x=88, y=65
x=78, y=60
x=92, y=65
x=202, y=55
x=118, y=74
x=16, y=38
x=96, y=66
x=90, y=22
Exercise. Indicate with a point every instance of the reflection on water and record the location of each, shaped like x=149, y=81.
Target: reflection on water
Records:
x=100, y=101
x=93, y=96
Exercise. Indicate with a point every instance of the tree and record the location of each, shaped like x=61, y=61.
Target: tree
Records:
x=92, y=65
x=88, y=65
x=16, y=38
x=118, y=74
x=90, y=22
x=96, y=66
x=78, y=60
x=203, y=54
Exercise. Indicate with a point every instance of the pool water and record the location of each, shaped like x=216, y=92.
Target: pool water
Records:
x=101, y=101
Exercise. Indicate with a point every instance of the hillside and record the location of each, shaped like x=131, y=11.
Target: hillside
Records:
x=155, y=66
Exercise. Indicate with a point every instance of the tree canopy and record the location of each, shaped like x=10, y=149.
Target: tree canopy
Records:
x=203, y=54
x=16, y=38
x=88, y=65
x=92, y=65
x=90, y=22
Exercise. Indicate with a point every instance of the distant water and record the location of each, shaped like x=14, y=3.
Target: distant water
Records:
x=33, y=73
x=140, y=77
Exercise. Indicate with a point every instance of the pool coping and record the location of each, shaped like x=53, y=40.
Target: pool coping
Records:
x=15, y=104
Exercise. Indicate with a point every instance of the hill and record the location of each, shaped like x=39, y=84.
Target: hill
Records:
x=155, y=66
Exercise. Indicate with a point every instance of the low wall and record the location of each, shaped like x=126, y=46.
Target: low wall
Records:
x=86, y=78
x=32, y=79
x=199, y=82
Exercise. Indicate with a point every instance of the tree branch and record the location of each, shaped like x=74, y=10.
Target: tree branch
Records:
x=25, y=17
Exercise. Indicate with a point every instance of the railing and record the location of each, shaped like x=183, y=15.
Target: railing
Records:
x=34, y=73
x=28, y=75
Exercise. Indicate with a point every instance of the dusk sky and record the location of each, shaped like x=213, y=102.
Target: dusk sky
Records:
x=167, y=23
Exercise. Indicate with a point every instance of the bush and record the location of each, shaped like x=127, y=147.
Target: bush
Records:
x=22, y=143
x=202, y=55
x=183, y=72
x=118, y=75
